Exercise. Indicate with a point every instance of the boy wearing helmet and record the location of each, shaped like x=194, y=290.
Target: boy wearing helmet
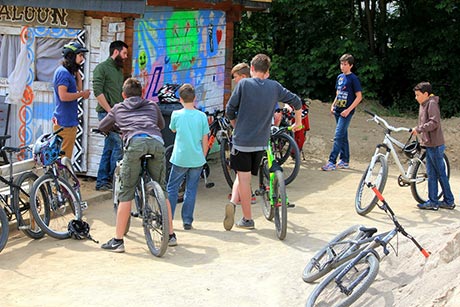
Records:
x=68, y=89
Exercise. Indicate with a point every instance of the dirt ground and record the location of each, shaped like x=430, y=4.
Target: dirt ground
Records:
x=214, y=267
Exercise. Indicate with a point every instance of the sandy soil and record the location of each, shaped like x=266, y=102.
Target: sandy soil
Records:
x=214, y=267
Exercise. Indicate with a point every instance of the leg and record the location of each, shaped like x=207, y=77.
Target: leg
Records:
x=438, y=162
x=341, y=140
x=244, y=190
x=123, y=213
x=103, y=172
x=68, y=135
x=192, y=179
x=432, y=176
x=176, y=176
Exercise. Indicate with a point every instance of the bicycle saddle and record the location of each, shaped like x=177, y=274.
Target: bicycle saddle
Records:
x=370, y=231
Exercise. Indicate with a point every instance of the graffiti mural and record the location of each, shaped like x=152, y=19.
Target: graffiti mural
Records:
x=181, y=47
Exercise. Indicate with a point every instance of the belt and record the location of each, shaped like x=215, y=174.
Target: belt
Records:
x=141, y=135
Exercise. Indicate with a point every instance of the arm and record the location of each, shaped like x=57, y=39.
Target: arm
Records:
x=107, y=123
x=334, y=102
x=204, y=144
x=346, y=112
x=98, y=87
x=433, y=120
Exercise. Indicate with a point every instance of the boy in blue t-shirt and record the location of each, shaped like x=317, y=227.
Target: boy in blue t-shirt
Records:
x=348, y=96
x=189, y=153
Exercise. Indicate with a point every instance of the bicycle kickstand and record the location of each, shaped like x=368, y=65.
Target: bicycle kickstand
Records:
x=206, y=183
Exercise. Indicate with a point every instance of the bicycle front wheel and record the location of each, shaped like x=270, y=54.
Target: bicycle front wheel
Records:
x=366, y=199
x=54, y=203
x=280, y=210
x=354, y=283
x=419, y=187
x=4, y=228
x=336, y=252
x=21, y=198
x=155, y=219
x=287, y=155
x=264, y=184
x=229, y=174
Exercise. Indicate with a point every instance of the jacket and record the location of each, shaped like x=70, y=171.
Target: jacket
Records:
x=429, y=123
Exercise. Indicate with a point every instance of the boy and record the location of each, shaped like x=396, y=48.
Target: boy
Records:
x=431, y=136
x=240, y=71
x=189, y=153
x=140, y=122
x=250, y=110
x=348, y=96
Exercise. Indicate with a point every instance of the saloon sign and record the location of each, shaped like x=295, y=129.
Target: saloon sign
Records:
x=55, y=17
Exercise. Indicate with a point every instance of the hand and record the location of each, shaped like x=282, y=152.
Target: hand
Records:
x=85, y=94
x=414, y=132
x=345, y=113
x=296, y=127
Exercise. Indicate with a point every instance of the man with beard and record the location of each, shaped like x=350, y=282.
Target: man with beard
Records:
x=107, y=87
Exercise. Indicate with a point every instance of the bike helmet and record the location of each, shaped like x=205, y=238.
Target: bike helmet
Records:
x=411, y=148
x=74, y=47
x=167, y=93
x=225, y=123
x=79, y=230
x=47, y=149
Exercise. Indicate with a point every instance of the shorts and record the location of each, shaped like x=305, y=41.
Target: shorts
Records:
x=131, y=167
x=246, y=161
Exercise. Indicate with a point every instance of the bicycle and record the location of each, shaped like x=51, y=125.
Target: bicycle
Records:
x=284, y=148
x=376, y=173
x=357, y=261
x=16, y=203
x=54, y=200
x=149, y=206
x=272, y=189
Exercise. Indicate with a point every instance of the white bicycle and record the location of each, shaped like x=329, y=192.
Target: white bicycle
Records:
x=414, y=175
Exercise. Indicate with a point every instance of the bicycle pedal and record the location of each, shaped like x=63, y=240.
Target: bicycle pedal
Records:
x=290, y=205
x=277, y=205
x=24, y=227
x=135, y=214
x=84, y=205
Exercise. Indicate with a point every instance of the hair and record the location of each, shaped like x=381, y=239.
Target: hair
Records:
x=187, y=92
x=117, y=45
x=70, y=62
x=261, y=63
x=347, y=58
x=241, y=69
x=424, y=87
x=132, y=87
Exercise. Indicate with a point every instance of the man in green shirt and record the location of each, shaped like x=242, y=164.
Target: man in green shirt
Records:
x=107, y=87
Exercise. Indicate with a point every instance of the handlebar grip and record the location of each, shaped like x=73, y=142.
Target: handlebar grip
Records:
x=369, y=112
x=58, y=131
x=95, y=130
x=425, y=253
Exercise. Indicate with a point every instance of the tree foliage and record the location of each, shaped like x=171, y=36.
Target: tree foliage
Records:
x=396, y=44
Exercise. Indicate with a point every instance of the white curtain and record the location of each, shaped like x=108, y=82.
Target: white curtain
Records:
x=48, y=57
x=10, y=46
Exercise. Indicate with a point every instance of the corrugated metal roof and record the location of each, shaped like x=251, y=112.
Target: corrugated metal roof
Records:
x=121, y=6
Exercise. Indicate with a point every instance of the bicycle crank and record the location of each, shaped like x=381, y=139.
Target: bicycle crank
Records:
x=403, y=182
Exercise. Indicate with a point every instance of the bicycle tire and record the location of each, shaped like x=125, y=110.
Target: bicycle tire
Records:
x=155, y=219
x=229, y=174
x=264, y=184
x=280, y=210
x=321, y=263
x=328, y=286
x=21, y=198
x=116, y=189
x=181, y=192
x=366, y=199
x=287, y=154
x=420, y=190
x=51, y=214
x=4, y=228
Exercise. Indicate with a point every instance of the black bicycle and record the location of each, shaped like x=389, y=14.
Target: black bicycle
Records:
x=16, y=203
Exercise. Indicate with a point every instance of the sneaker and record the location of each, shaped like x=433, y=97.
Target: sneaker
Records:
x=328, y=167
x=114, y=245
x=343, y=165
x=83, y=205
x=246, y=224
x=229, y=216
x=428, y=206
x=445, y=205
x=253, y=199
x=172, y=240
x=187, y=226
x=104, y=187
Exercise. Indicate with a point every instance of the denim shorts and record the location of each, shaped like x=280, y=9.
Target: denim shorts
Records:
x=131, y=167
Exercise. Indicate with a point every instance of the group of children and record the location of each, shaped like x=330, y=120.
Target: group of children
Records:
x=250, y=110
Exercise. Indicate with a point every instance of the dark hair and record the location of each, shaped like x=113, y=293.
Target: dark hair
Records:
x=187, y=92
x=70, y=62
x=117, y=45
x=241, y=69
x=424, y=87
x=261, y=63
x=132, y=87
x=347, y=58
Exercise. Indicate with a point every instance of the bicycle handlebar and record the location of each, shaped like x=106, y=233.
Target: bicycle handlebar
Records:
x=215, y=113
x=384, y=123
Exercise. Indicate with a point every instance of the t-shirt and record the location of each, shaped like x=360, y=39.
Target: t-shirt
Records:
x=190, y=127
x=346, y=86
x=66, y=112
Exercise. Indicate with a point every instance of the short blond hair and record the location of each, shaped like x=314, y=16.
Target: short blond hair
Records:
x=241, y=69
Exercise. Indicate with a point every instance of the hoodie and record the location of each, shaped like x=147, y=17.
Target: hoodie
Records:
x=429, y=123
x=134, y=115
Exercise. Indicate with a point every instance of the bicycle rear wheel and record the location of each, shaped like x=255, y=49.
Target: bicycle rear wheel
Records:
x=264, y=185
x=155, y=219
x=4, y=228
x=229, y=174
x=21, y=198
x=54, y=204
x=332, y=255
x=280, y=210
x=328, y=293
x=366, y=199
x=419, y=188
x=287, y=155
